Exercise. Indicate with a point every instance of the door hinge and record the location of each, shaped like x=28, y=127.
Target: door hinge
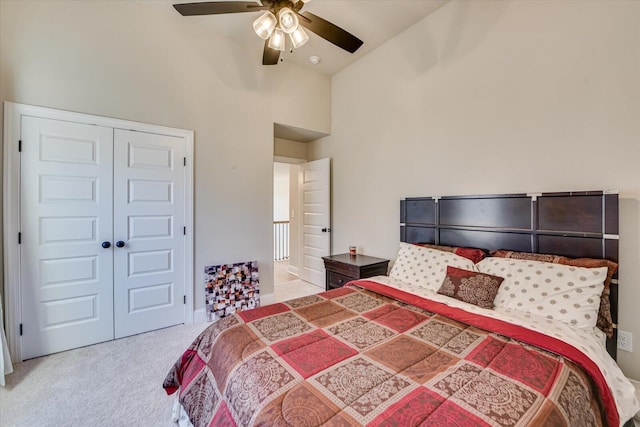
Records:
x=19, y=238
x=20, y=329
x=184, y=299
x=184, y=230
x=185, y=161
x=19, y=146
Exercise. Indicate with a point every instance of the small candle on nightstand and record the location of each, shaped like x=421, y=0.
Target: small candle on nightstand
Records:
x=352, y=250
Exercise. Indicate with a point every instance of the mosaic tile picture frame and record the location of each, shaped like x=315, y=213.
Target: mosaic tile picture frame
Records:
x=230, y=288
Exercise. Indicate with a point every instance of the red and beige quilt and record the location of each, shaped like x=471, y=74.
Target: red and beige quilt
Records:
x=361, y=355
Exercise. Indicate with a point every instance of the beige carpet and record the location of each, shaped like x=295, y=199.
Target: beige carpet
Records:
x=116, y=383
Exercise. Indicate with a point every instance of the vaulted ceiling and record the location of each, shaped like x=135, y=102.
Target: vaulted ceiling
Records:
x=373, y=21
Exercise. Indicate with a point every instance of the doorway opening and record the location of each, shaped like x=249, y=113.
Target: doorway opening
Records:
x=286, y=247
x=290, y=152
x=285, y=235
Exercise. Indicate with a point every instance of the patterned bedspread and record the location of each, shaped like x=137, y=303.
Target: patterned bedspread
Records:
x=352, y=356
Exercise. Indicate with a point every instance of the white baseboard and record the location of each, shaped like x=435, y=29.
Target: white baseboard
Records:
x=266, y=299
x=199, y=315
x=293, y=270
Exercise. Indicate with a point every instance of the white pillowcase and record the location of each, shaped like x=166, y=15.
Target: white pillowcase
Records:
x=561, y=292
x=425, y=267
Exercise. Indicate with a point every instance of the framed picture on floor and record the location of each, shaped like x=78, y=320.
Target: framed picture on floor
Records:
x=230, y=288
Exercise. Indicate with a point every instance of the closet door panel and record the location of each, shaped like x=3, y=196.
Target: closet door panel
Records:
x=149, y=179
x=66, y=206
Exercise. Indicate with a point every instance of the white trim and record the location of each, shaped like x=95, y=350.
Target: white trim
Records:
x=534, y=196
x=11, y=204
x=189, y=222
x=292, y=270
x=266, y=299
x=611, y=236
x=11, y=224
x=288, y=160
x=199, y=315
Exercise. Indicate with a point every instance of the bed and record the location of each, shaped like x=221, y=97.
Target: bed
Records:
x=450, y=337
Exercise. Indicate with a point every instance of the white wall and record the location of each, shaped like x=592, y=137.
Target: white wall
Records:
x=142, y=61
x=493, y=97
x=280, y=191
x=294, y=219
x=294, y=151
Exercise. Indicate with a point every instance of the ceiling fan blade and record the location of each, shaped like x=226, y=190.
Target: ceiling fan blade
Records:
x=330, y=32
x=270, y=56
x=218, y=7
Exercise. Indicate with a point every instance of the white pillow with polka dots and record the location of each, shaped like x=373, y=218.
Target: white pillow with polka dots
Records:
x=425, y=267
x=561, y=292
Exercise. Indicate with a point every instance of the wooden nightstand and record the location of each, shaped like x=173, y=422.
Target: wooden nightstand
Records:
x=343, y=268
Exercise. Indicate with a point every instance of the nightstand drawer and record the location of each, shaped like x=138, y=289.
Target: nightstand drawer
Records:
x=335, y=280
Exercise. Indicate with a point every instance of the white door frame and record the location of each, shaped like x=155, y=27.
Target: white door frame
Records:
x=11, y=204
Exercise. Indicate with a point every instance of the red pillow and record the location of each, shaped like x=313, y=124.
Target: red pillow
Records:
x=475, y=255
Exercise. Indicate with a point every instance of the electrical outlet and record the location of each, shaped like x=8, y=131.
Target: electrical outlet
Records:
x=625, y=341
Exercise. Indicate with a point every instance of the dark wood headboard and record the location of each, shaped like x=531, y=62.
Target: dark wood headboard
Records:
x=576, y=224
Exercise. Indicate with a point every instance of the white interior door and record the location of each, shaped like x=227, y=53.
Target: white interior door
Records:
x=316, y=219
x=149, y=180
x=66, y=205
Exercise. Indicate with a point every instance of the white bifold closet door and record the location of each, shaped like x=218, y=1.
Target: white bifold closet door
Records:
x=102, y=250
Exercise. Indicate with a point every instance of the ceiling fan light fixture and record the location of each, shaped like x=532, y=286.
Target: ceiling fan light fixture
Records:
x=277, y=40
x=265, y=24
x=299, y=37
x=278, y=17
x=288, y=20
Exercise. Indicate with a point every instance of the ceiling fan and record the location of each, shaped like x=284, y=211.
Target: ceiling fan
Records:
x=281, y=17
